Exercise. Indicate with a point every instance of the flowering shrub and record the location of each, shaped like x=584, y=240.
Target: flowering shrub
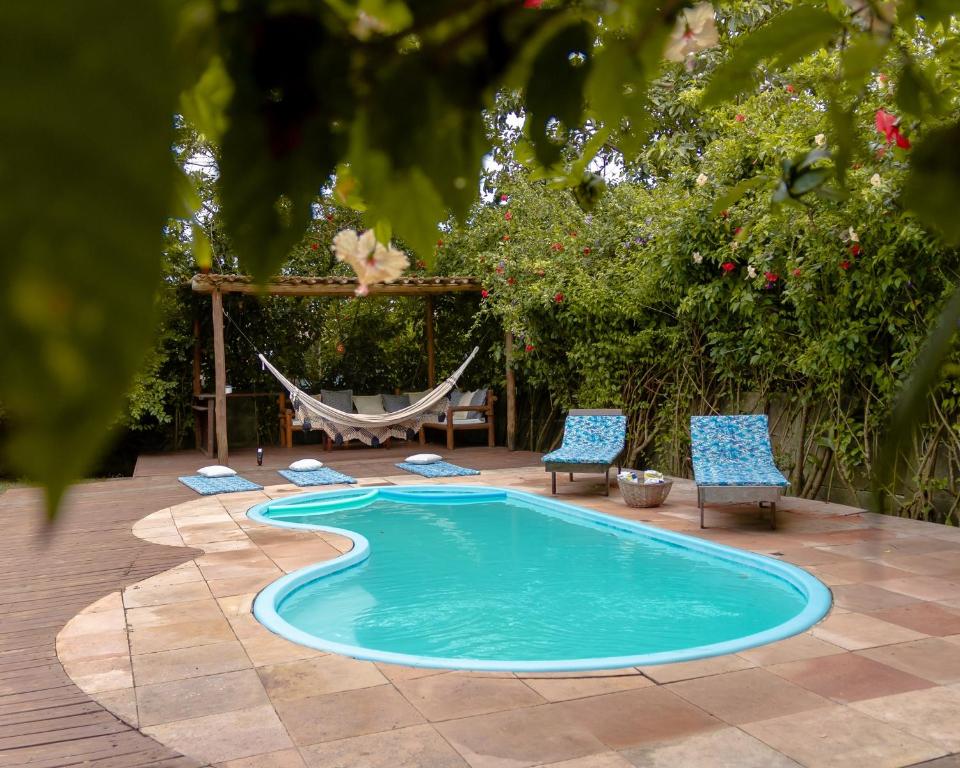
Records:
x=829, y=305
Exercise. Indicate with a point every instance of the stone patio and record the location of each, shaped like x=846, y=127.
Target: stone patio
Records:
x=877, y=683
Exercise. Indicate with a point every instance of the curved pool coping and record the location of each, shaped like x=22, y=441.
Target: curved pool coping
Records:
x=265, y=605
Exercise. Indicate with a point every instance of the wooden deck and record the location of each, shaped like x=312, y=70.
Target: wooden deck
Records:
x=50, y=574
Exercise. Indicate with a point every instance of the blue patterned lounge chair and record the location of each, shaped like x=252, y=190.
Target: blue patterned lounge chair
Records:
x=593, y=440
x=733, y=462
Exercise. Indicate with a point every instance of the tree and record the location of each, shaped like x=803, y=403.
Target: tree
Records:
x=385, y=97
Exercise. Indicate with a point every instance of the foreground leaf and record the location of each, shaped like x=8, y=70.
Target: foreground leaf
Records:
x=81, y=220
x=785, y=39
x=933, y=185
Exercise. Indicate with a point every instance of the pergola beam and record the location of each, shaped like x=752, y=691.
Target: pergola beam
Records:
x=342, y=287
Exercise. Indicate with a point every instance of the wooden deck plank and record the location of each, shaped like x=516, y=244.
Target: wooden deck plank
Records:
x=50, y=573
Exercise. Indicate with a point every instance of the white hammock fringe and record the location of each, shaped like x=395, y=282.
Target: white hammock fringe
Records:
x=307, y=406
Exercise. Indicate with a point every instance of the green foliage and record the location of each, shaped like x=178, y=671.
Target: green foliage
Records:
x=81, y=221
x=632, y=307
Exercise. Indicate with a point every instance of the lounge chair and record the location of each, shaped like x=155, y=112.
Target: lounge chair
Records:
x=733, y=462
x=593, y=440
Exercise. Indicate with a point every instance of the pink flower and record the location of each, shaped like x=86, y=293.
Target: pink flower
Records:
x=855, y=249
x=484, y=293
x=796, y=272
x=738, y=230
x=844, y=265
x=508, y=216
x=558, y=298
x=506, y=237
x=771, y=277
x=534, y=4
x=504, y=198
x=499, y=270
x=557, y=246
x=510, y=281
x=728, y=267
x=888, y=125
x=791, y=89
x=740, y=118
x=314, y=247
x=586, y=251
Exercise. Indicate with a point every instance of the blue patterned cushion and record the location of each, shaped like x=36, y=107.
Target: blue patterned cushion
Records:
x=437, y=469
x=590, y=440
x=207, y=486
x=322, y=476
x=733, y=450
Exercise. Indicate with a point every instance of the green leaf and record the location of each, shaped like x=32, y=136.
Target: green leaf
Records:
x=88, y=181
x=784, y=39
x=910, y=409
x=862, y=57
x=916, y=93
x=555, y=89
x=844, y=136
x=932, y=187
x=383, y=231
x=737, y=191
x=284, y=136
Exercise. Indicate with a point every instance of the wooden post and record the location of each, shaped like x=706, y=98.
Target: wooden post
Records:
x=220, y=379
x=431, y=362
x=196, y=354
x=511, y=394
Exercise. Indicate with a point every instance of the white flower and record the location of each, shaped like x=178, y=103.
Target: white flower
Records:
x=372, y=261
x=702, y=179
x=854, y=237
x=820, y=139
x=875, y=180
x=734, y=244
x=364, y=26
x=695, y=30
x=751, y=271
x=697, y=258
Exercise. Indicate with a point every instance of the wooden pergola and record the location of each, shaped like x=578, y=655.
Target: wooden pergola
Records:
x=343, y=287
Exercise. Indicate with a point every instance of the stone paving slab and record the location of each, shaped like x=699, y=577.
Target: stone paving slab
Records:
x=877, y=683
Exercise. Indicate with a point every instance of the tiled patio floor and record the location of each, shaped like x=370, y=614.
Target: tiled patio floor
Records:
x=876, y=684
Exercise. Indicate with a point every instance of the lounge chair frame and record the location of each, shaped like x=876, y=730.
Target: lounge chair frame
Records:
x=565, y=467
x=740, y=494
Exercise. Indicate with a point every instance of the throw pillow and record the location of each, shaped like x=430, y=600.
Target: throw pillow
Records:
x=306, y=465
x=393, y=403
x=368, y=404
x=216, y=470
x=423, y=458
x=341, y=399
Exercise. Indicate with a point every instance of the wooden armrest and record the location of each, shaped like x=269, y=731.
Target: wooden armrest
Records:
x=453, y=408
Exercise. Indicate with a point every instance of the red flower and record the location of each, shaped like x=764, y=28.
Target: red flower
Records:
x=771, y=277
x=528, y=348
x=573, y=234
x=506, y=237
x=855, y=249
x=504, y=198
x=740, y=118
x=499, y=270
x=439, y=243
x=557, y=246
x=484, y=293
x=510, y=281
x=341, y=348
x=314, y=246
x=796, y=272
x=541, y=272
x=728, y=266
x=558, y=298
x=738, y=230
x=586, y=251
x=888, y=125
x=844, y=265
x=508, y=215
x=421, y=264
x=791, y=89
x=329, y=217
x=534, y=4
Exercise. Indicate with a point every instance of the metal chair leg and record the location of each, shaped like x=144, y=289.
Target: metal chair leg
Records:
x=571, y=477
x=700, y=502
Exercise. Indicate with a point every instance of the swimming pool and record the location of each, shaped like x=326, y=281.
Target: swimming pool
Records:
x=473, y=577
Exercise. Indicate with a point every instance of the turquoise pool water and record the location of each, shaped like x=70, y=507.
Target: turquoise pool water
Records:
x=481, y=578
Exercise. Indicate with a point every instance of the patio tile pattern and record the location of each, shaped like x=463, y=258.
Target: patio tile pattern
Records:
x=877, y=683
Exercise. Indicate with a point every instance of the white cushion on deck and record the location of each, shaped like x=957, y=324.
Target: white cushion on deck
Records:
x=423, y=458
x=306, y=465
x=216, y=470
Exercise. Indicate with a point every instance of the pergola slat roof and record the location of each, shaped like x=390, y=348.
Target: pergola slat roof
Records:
x=335, y=286
x=300, y=285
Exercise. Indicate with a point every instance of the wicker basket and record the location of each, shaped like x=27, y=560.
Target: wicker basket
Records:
x=641, y=495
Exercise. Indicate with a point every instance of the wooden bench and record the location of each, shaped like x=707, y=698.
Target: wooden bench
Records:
x=451, y=427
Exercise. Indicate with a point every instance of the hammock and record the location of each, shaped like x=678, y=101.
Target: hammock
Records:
x=371, y=429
